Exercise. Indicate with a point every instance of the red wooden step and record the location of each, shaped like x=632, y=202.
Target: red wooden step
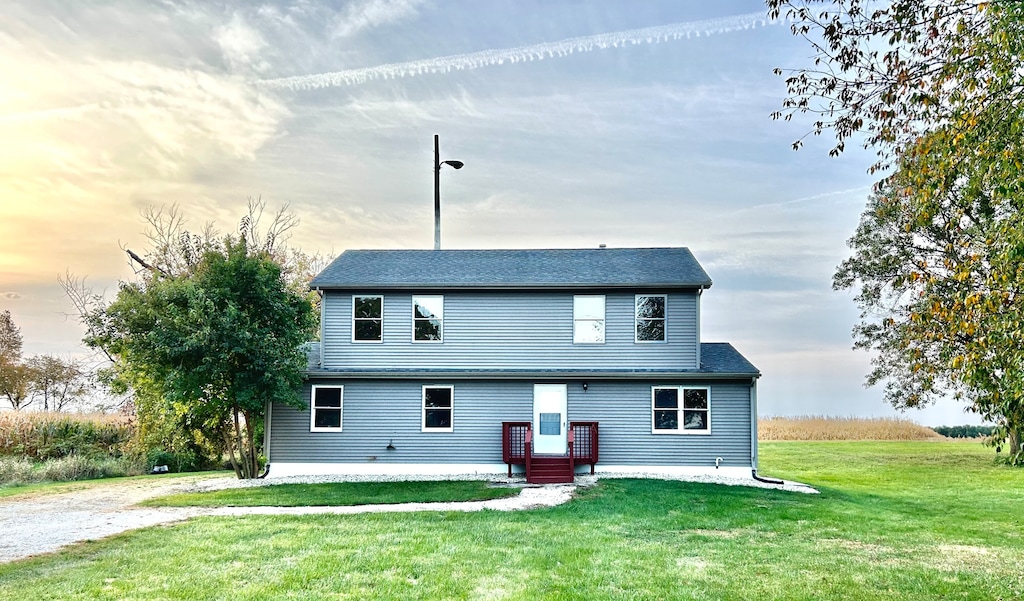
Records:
x=550, y=470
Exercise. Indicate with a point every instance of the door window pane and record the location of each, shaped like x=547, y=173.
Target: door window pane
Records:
x=550, y=424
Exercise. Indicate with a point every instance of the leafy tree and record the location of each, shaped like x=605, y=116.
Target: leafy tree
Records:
x=10, y=339
x=57, y=382
x=16, y=385
x=964, y=431
x=936, y=90
x=218, y=343
x=14, y=376
x=893, y=71
x=175, y=252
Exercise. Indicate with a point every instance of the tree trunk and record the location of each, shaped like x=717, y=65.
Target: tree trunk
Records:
x=231, y=452
x=250, y=442
x=1014, y=439
x=242, y=450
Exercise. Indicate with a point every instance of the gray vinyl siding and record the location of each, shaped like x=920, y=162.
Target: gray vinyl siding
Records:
x=625, y=415
x=511, y=330
x=379, y=412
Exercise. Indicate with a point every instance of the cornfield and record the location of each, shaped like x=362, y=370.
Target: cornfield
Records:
x=44, y=436
x=842, y=428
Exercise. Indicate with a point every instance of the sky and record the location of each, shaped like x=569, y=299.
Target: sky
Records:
x=631, y=124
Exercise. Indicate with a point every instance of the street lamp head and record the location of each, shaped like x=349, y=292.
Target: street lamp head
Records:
x=455, y=164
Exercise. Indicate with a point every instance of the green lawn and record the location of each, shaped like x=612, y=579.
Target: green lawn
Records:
x=894, y=521
x=337, y=493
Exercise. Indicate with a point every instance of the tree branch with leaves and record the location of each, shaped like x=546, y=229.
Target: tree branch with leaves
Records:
x=209, y=332
x=937, y=90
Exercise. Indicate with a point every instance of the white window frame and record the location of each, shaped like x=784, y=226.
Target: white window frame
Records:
x=423, y=408
x=680, y=430
x=354, y=318
x=313, y=408
x=415, y=318
x=577, y=320
x=636, y=319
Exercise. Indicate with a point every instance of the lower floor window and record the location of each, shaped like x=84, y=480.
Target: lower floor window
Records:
x=681, y=410
x=325, y=409
x=437, y=408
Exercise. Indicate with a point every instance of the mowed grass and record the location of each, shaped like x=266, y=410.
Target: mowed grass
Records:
x=337, y=493
x=919, y=520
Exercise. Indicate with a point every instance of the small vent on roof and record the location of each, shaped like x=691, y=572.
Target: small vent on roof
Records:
x=602, y=246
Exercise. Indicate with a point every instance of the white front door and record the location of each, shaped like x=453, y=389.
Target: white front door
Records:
x=549, y=419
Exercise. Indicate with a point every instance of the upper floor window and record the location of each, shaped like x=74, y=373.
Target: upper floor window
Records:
x=437, y=408
x=650, y=317
x=325, y=408
x=681, y=410
x=428, y=318
x=588, y=319
x=367, y=318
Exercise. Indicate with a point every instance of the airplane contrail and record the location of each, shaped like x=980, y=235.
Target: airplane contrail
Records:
x=486, y=58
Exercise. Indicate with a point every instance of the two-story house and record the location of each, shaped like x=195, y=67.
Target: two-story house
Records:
x=435, y=362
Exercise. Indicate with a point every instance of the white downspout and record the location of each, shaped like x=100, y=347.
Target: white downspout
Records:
x=323, y=313
x=700, y=293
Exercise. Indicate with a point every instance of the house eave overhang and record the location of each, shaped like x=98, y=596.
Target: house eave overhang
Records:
x=314, y=285
x=526, y=374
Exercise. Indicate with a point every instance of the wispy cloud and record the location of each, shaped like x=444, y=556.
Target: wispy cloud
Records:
x=558, y=49
x=10, y=295
x=367, y=14
x=241, y=45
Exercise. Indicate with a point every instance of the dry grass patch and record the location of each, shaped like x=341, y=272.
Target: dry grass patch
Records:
x=842, y=428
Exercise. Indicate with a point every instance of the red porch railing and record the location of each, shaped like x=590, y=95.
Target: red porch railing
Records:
x=514, y=436
x=517, y=443
x=585, y=449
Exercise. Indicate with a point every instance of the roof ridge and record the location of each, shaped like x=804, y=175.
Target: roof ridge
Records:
x=645, y=267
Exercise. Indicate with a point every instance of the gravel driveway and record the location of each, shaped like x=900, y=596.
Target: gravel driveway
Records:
x=42, y=522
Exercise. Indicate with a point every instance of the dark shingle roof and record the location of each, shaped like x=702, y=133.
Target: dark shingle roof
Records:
x=717, y=359
x=608, y=267
x=312, y=352
x=722, y=358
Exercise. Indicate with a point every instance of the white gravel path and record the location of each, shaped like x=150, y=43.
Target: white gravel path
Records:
x=44, y=522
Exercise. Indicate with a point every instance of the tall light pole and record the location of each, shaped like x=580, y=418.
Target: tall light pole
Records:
x=437, y=191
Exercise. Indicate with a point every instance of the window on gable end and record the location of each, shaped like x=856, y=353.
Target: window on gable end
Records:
x=588, y=319
x=428, y=318
x=650, y=317
x=367, y=318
